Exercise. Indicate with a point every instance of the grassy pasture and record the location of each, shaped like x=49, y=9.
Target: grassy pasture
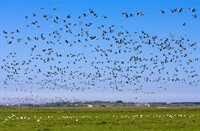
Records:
x=99, y=119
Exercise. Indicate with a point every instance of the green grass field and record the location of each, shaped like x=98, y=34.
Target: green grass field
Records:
x=100, y=119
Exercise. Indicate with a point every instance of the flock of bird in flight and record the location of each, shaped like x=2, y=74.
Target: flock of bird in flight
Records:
x=79, y=55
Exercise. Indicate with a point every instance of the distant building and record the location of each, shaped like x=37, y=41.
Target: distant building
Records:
x=90, y=105
x=157, y=104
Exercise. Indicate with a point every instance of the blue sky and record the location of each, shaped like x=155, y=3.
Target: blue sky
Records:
x=153, y=23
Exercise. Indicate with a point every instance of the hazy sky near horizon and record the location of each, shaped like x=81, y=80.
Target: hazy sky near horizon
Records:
x=154, y=23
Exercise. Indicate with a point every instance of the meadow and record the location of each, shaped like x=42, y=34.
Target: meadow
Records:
x=99, y=119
